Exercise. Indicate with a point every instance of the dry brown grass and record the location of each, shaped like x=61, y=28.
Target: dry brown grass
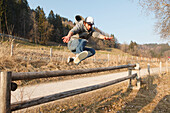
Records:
x=28, y=57
x=153, y=96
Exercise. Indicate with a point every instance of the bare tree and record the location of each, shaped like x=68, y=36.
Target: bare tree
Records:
x=0, y=26
x=161, y=9
x=124, y=47
x=34, y=31
x=9, y=28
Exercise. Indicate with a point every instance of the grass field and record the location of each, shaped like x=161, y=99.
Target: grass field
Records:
x=29, y=57
x=152, y=97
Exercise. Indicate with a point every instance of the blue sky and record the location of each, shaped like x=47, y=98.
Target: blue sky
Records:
x=123, y=18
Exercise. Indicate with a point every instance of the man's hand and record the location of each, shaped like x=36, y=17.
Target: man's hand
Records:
x=66, y=39
x=108, y=38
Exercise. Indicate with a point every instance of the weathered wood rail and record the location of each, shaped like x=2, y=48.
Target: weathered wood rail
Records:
x=47, y=74
x=8, y=77
x=41, y=100
x=14, y=37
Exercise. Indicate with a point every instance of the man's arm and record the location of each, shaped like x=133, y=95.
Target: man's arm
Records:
x=99, y=35
x=105, y=37
x=72, y=32
x=66, y=39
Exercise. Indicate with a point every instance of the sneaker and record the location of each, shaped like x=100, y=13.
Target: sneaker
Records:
x=70, y=59
x=80, y=57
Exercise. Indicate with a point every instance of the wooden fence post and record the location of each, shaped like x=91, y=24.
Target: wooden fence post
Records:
x=138, y=76
x=51, y=53
x=160, y=68
x=108, y=56
x=148, y=68
x=130, y=80
x=167, y=66
x=5, y=92
x=12, y=47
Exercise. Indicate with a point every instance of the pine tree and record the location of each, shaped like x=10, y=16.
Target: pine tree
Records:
x=34, y=35
x=133, y=48
x=7, y=15
x=48, y=31
x=51, y=20
x=23, y=18
x=59, y=29
x=40, y=18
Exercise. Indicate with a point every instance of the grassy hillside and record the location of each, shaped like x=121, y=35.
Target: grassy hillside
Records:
x=33, y=57
x=156, y=50
x=30, y=57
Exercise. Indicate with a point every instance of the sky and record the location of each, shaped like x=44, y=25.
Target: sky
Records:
x=123, y=18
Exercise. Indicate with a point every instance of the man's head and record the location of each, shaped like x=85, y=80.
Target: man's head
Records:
x=89, y=21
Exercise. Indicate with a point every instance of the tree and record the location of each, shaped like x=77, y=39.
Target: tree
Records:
x=0, y=25
x=51, y=17
x=14, y=17
x=23, y=18
x=133, y=48
x=48, y=31
x=132, y=45
x=7, y=15
x=52, y=20
x=41, y=19
x=124, y=47
x=162, y=14
x=59, y=28
x=34, y=36
x=114, y=42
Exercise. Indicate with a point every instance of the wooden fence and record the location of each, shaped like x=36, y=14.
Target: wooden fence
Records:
x=7, y=78
x=50, y=55
x=14, y=37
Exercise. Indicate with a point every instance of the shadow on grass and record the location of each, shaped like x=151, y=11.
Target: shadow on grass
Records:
x=99, y=106
x=163, y=106
x=108, y=105
x=144, y=96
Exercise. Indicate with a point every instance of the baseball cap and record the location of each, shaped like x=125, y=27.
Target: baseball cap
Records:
x=89, y=20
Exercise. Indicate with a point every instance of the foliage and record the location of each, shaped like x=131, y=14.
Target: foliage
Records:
x=147, y=50
x=161, y=10
x=156, y=50
x=133, y=48
x=57, y=32
x=16, y=18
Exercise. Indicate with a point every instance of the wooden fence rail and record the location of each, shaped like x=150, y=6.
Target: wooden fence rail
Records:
x=41, y=100
x=14, y=37
x=7, y=77
x=47, y=74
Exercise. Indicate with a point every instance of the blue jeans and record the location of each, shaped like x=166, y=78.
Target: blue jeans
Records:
x=80, y=46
